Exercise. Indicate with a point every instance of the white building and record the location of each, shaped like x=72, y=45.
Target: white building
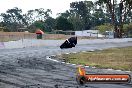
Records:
x=89, y=33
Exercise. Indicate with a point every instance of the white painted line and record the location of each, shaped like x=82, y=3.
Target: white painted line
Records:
x=92, y=50
x=74, y=52
x=109, y=69
x=117, y=70
x=93, y=67
x=49, y=58
x=84, y=51
x=73, y=64
x=87, y=66
x=67, y=63
x=128, y=71
x=53, y=55
x=67, y=53
x=54, y=60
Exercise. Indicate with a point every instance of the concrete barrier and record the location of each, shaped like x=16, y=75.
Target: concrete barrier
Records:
x=23, y=43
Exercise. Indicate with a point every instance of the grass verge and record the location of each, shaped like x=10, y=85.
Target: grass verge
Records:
x=115, y=58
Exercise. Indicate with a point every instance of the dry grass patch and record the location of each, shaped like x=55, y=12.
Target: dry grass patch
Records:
x=116, y=58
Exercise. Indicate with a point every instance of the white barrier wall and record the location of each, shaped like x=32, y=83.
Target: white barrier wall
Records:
x=36, y=43
x=29, y=43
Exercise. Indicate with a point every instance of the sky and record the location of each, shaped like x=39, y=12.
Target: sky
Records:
x=57, y=6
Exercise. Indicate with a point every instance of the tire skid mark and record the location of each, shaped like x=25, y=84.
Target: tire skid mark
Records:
x=21, y=79
x=24, y=81
x=11, y=83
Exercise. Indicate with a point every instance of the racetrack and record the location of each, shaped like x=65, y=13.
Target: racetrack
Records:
x=30, y=68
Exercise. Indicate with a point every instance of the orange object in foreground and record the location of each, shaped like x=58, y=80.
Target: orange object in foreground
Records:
x=83, y=78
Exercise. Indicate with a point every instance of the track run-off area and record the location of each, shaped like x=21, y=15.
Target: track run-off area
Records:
x=31, y=67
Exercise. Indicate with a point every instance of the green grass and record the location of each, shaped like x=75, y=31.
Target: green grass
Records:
x=116, y=58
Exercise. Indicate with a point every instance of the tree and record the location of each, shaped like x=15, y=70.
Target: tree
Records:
x=82, y=9
x=37, y=15
x=99, y=17
x=49, y=24
x=77, y=22
x=36, y=18
x=127, y=29
x=13, y=19
x=63, y=24
x=106, y=27
x=125, y=7
x=73, y=18
x=66, y=14
x=36, y=25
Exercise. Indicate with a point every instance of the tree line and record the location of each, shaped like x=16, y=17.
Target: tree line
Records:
x=83, y=15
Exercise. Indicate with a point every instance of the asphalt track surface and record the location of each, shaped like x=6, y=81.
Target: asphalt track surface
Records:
x=30, y=67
